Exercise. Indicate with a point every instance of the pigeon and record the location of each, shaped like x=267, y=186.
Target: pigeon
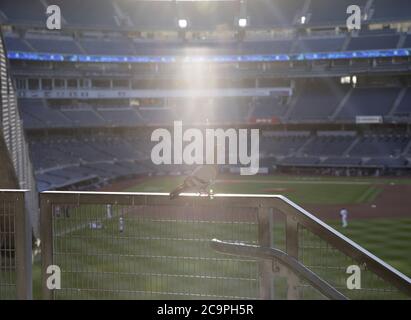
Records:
x=199, y=180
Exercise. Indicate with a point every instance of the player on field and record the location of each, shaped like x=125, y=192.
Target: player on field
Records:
x=344, y=217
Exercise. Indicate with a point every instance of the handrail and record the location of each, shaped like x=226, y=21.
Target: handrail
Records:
x=253, y=251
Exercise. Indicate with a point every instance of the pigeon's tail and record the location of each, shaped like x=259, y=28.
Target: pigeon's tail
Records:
x=176, y=192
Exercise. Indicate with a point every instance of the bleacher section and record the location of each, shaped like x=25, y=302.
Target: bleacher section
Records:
x=63, y=45
x=13, y=43
x=66, y=160
x=300, y=162
x=324, y=12
x=369, y=102
x=157, y=115
x=318, y=44
x=374, y=146
x=268, y=109
x=313, y=102
x=328, y=145
x=283, y=143
x=115, y=46
x=342, y=162
x=404, y=108
x=261, y=47
x=107, y=47
x=385, y=10
x=37, y=113
x=23, y=11
x=374, y=42
x=281, y=13
x=387, y=162
x=83, y=13
x=155, y=15
x=318, y=101
x=48, y=153
x=151, y=16
x=148, y=15
x=407, y=43
x=120, y=116
x=83, y=117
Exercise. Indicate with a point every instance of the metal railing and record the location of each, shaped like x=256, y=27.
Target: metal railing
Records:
x=15, y=246
x=145, y=246
x=15, y=139
x=280, y=260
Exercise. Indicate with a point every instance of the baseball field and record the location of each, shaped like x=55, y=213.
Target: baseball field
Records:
x=379, y=220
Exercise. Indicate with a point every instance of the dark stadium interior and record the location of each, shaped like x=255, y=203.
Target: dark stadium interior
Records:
x=91, y=141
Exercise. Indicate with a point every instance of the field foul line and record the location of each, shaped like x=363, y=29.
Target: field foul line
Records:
x=101, y=220
x=366, y=196
x=295, y=182
x=162, y=257
x=150, y=293
x=146, y=274
x=157, y=239
x=83, y=226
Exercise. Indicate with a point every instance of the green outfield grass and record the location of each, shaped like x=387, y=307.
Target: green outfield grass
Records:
x=157, y=259
x=388, y=239
x=7, y=283
x=308, y=190
x=162, y=259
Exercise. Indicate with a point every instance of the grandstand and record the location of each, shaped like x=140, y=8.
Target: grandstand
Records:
x=327, y=100
x=311, y=58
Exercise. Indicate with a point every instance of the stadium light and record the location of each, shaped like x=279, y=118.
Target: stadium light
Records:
x=182, y=23
x=345, y=80
x=303, y=19
x=242, y=22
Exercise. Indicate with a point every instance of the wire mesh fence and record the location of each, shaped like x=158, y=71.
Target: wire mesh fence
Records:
x=333, y=258
x=115, y=251
x=8, y=288
x=15, y=247
x=332, y=265
x=144, y=246
x=12, y=130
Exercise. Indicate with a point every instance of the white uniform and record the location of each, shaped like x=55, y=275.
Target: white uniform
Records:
x=121, y=224
x=109, y=211
x=344, y=217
